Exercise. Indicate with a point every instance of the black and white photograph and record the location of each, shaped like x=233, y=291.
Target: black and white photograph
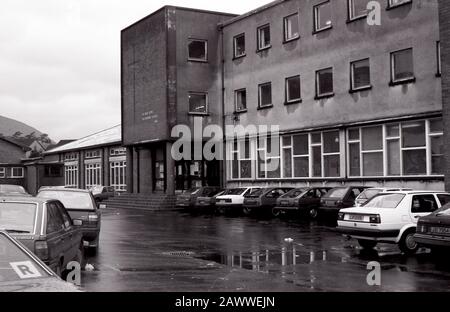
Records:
x=251, y=148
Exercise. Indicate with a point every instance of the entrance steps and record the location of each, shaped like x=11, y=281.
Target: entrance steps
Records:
x=152, y=202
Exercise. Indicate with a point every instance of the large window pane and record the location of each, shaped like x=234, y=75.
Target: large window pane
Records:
x=331, y=142
x=414, y=162
x=372, y=138
x=331, y=164
x=413, y=134
x=197, y=50
x=436, y=125
x=402, y=65
x=373, y=164
x=261, y=165
x=198, y=103
x=235, y=166
x=301, y=146
x=355, y=160
x=301, y=167
x=437, y=155
x=246, y=169
x=361, y=74
x=324, y=82
x=287, y=167
x=265, y=95
x=393, y=157
x=317, y=161
x=274, y=174
x=293, y=91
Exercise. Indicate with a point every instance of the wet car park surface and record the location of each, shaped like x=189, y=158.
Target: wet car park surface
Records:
x=176, y=251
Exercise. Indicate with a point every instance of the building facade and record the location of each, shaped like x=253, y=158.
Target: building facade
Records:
x=12, y=170
x=354, y=103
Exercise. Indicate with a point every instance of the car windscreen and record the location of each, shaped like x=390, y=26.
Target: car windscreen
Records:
x=368, y=194
x=12, y=189
x=15, y=264
x=295, y=193
x=337, y=193
x=18, y=217
x=70, y=200
x=234, y=191
x=389, y=201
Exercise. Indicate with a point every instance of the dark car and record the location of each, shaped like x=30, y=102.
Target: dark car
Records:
x=262, y=201
x=207, y=202
x=102, y=193
x=433, y=231
x=22, y=271
x=45, y=228
x=339, y=198
x=12, y=190
x=304, y=201
x=188, y=199
x=81, y=206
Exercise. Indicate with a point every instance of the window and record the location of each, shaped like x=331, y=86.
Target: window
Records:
x=438, y=57
x=269, y=157
x=239, y=46
x=399, y=149
x=322, y=16
x=423, y=204
x=118, y=151
x=71, y=156
x=93, y=175
x=71, y=176
x=198, y=50
x=17, y=172
x=55, y=222
x=291, y=27
x=395, y=3
x=402, y=66
x=2, y=173
x=241, y=161
x=92, y=154
x=293, y=89
x=360, y=75
x=241, y=100
x=324, y=83
x=117, y=175
x=53, y=171
x=296, y=156
x=357, y=9
x=265, y=95
x=264, y=37
x=198, y=103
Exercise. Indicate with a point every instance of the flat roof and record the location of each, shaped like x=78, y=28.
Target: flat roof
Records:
x=106, y=137
x=253, y=12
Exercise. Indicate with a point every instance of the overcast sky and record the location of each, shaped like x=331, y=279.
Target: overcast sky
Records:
x=60, y=59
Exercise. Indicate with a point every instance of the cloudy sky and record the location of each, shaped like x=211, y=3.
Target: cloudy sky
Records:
x=59, y=59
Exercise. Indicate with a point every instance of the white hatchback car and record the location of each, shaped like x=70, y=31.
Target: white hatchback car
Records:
x=233, y=199
x=390, y=218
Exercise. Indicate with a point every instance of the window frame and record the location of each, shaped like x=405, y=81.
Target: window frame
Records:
x=235, y=38
x=316, y=16
x=193, y=59
x=407, y=80
x=353, y=89
x=328, y=94
x=285, y=26
x=235, y=147
x=206, y=112
x=391, y=6
x=286, y=91
x=259, y=46
x=236, y=92
x=260, y=86
x=19, y=176
x=352, y=18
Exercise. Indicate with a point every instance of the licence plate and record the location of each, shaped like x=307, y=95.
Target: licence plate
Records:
x=440, y=230
x=356, y=217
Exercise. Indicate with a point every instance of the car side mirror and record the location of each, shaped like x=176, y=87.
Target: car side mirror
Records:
x=77, y=222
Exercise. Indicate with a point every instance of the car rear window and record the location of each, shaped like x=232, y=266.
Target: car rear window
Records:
x=388, y=201
x=18, y=217
x=295, y=193
x=234, y=192
x=337, y=193
x=14, y=261
x=368, y=194
x=70, y=200
x=255, y=192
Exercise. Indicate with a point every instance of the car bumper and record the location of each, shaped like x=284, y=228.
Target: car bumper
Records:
x=229, y=206
x=432, y=241
x=90, y=234
x=370, y=233
x=330, y=210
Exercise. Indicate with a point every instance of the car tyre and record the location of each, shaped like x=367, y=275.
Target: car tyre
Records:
x=220, y=211
x=314, y=213
x=367, y=244
x=408, y=244
x=276, y=213
x=247, y=211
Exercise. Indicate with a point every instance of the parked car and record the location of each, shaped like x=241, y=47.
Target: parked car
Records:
x=368, y=194
x=45, y=228
x=12, y=190
x=102, y=193
x=22, y=271
x=433, y=231
x=262, y=201
x=340, y=197
x=188, y=199
x=207, y=202
x=232, y=199
x=305, y=201
x=81, y=206
x=390, y=218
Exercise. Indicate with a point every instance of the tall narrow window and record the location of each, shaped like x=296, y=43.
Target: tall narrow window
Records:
x=293, y=89
x=357, y=9
x=265, y=95
x=197, y=50
x=264, y=37
x=241, y=100
x=322, y=16
x=402, y=66
x=291, y=27
x=239, y=45
x=198, y=103
x=360, y=75
x=324, y=83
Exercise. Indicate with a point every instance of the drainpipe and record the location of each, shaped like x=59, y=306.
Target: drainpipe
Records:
x=223, y=164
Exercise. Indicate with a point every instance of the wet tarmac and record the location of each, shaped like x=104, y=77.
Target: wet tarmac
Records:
x=175, y=251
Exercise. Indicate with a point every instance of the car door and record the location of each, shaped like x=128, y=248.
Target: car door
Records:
x=422, y=205
x=56, y=234
x=308, y=200
x=73, y=233
x=272, y=196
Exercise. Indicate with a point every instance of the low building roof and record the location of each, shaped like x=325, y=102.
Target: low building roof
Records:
x=109, y=136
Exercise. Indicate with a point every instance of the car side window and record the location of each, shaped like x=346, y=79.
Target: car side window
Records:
x=55, y=221
x=310, y=194
x=423, y=204
x=66, y=218
x=444, y=199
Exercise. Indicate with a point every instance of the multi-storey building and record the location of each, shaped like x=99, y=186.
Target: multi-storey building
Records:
x=355, y=103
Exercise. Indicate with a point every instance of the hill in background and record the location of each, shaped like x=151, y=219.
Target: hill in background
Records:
x=21, y=132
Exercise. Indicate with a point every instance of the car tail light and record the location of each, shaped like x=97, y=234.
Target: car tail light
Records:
x=341, y=216
x=93, y=217
x=375, y=219
x=41, y=249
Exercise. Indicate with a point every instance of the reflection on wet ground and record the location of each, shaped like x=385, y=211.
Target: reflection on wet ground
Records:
x=173, y=251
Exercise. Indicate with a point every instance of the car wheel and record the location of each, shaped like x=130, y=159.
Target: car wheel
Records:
x=408, y=244
x=314, y=213
x=220, y=211
x=276, y=213
x=247, y=211
x=367, y=244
